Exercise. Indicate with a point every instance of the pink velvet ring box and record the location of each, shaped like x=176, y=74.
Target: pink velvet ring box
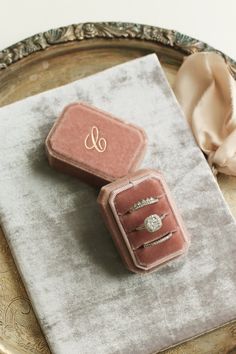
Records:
x=143, y=220
x=93, y=145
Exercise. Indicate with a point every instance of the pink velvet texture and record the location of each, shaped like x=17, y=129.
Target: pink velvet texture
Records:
x=96, y=142
x=154, y=254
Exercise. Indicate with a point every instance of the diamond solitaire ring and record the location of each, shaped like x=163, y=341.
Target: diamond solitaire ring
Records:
x=152, y=223
x=142, y=203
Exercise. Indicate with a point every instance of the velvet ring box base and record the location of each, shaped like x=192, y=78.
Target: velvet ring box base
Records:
x=93, y=145
x=143, y=220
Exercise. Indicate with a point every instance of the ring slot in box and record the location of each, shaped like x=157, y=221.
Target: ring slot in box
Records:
x=143, y=220
x=93, y=145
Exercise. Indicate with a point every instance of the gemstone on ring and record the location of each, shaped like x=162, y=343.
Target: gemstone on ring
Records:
x=143, y=202
x=153, y=223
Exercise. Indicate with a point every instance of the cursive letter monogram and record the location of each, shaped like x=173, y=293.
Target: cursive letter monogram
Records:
x=97, y=143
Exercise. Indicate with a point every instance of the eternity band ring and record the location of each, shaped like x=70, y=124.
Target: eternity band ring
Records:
x=142, y=203
x=152, y=223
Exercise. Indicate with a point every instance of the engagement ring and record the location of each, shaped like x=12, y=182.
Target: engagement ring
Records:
x=152, y=223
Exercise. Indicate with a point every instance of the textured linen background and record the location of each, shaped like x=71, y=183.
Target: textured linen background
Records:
x=84, y=298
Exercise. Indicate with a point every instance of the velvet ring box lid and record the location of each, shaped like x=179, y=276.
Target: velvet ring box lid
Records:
x=93, y=145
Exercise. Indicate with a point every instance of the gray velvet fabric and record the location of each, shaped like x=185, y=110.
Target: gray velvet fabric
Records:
x=85, y=300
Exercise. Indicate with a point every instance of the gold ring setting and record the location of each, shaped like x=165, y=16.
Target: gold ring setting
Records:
x=152, y=223
x=163, y=238
x=142, y=203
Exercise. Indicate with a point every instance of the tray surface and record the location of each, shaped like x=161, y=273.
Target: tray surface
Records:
x=54, y=58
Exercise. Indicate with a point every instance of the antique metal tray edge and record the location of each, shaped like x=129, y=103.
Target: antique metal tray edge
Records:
x=106, y=30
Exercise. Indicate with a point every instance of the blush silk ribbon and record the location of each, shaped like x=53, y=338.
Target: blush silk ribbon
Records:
x=206, y=92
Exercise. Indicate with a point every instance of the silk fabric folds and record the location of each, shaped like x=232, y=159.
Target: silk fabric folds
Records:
x=206, y=92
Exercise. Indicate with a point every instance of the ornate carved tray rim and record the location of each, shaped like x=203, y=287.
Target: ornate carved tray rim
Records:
x=107, y=30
